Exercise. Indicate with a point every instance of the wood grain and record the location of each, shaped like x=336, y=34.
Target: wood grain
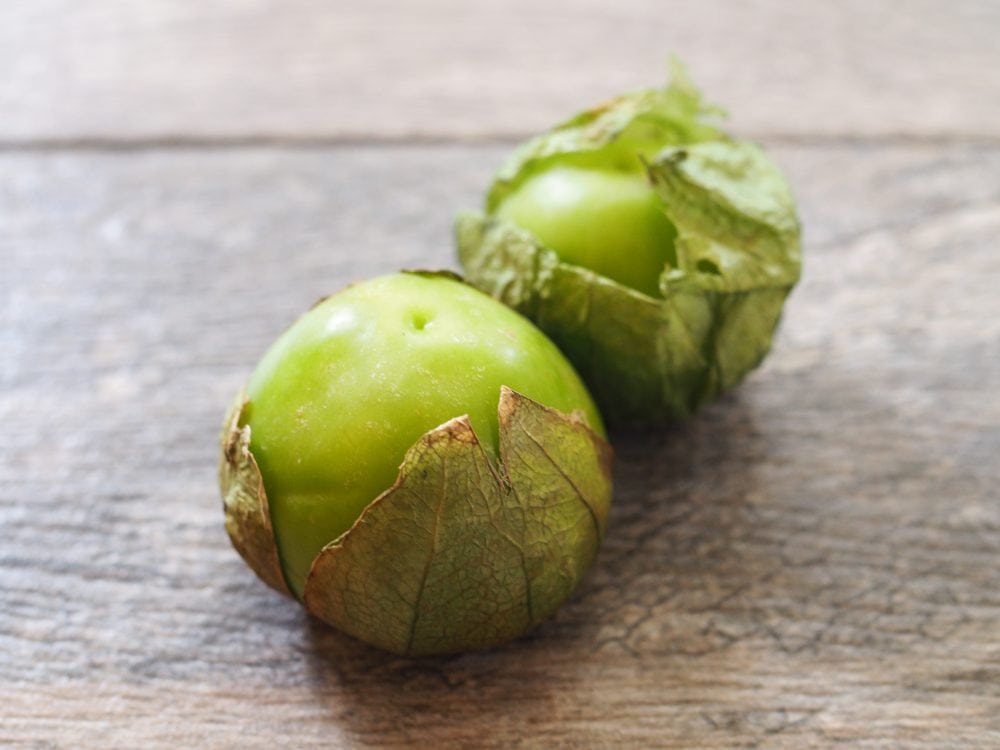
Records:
x=212, y=71
x=810, y=562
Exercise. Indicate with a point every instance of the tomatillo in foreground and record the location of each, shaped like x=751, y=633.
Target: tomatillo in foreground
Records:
x=419, y=465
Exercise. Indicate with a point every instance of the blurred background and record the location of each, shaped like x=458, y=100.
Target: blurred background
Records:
x=384, y=69
x=811, y=561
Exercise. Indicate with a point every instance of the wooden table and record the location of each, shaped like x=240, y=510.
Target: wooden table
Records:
x=813, y=561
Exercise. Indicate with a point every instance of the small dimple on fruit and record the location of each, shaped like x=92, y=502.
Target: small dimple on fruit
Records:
x=419, y=320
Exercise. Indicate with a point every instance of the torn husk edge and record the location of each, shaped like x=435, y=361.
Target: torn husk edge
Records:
x=647, y=119
x=460, y=554
x=244, y=501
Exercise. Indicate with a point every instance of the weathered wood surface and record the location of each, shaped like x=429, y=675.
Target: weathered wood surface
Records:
x=812, y=562
x=308, y=69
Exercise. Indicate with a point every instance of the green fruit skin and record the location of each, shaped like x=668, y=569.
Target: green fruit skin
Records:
x=611, y=222
x=340, y=397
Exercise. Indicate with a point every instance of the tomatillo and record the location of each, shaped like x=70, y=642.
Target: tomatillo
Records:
x=419, y=465
x=607, y=220
x=653, y=248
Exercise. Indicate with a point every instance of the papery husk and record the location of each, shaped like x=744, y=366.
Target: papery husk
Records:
x=460, y=553
x=244, y=501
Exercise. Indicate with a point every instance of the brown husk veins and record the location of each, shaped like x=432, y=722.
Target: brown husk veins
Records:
x=460, y=554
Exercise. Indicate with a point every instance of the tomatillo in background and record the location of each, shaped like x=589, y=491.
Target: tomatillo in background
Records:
x=653, y=248
x=419, y=465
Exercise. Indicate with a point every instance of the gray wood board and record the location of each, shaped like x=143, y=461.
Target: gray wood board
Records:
x=163, y=70
x=813, y=560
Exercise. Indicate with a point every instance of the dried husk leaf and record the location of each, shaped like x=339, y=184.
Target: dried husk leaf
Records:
x=459, y=554
x=244, y=501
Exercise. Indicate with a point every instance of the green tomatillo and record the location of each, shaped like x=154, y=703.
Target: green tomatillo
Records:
x=655, y=250
x=610, y=221
x=419, y=465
